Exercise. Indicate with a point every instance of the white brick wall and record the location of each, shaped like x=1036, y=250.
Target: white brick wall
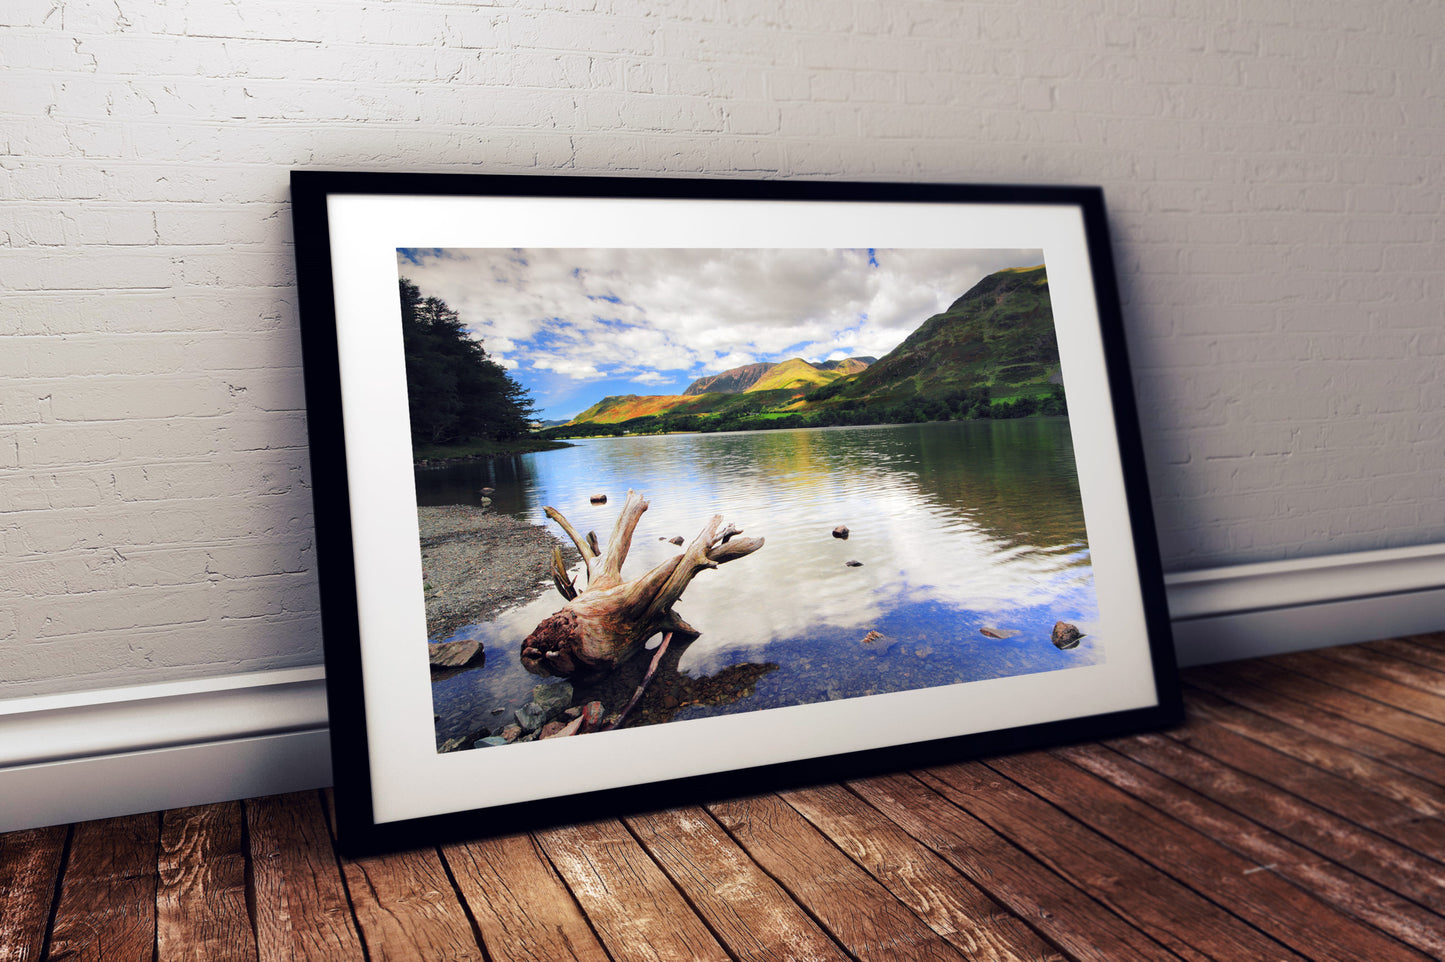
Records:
x=1272, y=170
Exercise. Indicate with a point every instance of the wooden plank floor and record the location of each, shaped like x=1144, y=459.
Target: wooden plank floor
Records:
x=1297, y=815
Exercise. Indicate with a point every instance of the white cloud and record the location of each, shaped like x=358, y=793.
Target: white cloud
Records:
x=578, y=370
x=728, y=361
x=607, y=312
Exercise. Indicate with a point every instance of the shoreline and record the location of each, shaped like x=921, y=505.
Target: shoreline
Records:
x=477, y=563
x=814, y=427
x=532, y=448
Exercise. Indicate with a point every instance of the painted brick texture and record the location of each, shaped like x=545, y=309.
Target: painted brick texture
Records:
x=1272, y=170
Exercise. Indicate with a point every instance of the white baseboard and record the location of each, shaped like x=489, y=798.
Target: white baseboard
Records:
x=118, y=751
x=85, y=755
x=1248, y=611
x=124, y=783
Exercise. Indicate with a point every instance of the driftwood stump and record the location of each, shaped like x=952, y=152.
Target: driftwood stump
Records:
x=610, y=620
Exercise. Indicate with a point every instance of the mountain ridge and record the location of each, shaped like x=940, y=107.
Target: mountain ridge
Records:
x=993, y=344
x=749, y=377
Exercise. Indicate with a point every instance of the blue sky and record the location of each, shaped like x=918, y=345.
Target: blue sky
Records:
x=576, y=325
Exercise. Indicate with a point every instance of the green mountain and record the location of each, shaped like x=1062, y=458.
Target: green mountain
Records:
x=795, y=373
x=992, y=353
x=751, y=388
x=1000, y=334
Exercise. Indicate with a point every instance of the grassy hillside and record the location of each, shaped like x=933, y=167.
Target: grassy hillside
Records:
x=999, y=335
x=626, y=407
x=992, y=353
x=848, y=365
x=795, y=374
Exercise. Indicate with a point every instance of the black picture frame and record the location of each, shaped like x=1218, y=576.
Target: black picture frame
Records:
x=348, y=227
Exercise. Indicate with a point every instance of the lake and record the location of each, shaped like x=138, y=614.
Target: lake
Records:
x=958, y=526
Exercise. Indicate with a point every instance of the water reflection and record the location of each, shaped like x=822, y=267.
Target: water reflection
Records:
x=958, y=526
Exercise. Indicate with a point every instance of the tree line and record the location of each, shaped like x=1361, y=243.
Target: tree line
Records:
x=967, y=404
x=455, y=391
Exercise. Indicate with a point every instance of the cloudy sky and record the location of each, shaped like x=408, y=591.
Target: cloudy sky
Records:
x=574, y=326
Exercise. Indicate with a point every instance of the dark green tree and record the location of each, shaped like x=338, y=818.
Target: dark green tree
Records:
x=455, y=392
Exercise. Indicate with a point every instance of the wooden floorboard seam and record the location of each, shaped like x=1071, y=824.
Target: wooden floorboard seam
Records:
x=1346, y=891
x=1231, y=880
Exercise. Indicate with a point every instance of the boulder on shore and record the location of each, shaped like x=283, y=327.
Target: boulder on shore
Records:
x=453, y=657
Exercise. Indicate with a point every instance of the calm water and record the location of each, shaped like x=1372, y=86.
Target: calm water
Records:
x=959, y=526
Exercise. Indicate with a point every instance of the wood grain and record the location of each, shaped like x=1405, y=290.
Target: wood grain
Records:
x=1361, y=770
x=404, y=903
x=853, y=906
x=1270, y=851
x=1385, y=862
x=1334, y=671
x=201, y=910
x=1349, y=705
x=1188, y=924
x=1219, y=874
x=1423, y=832
x=750, y=913
x=1385, y=665
x=637, y=912
x=946, y=900
x=520, y=904
x=107, y=907
x=1434, y=639
x=1070, y=918
x=1415, y=651
x=406, y=908
x=1227, y=683
x=302, y=913
x=29, y=867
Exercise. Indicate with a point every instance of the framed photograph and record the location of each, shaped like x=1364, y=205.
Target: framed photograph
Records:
x=632, y=492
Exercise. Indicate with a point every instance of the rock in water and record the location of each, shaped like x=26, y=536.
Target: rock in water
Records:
x=853, y=564
x=1065, y=636
x=599, y=499
x=872, y=636
x=841, y=532
x=552, y=699
x=452, y=657
x=999, y=633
